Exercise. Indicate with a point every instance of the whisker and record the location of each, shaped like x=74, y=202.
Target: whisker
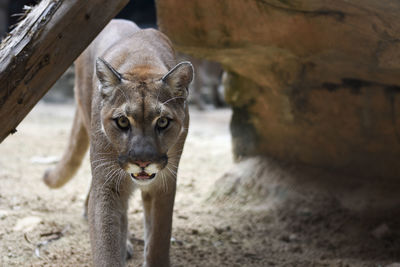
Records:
x=174, y=157
x=175, y=153
x=107, y=145
x=106, y=181
x=123, y=175
x=173, y=168
x=119, y=179
x=110, y=176
x=102, y=164
x=116, y=184
x=171, y=171
x=173, y=174
x=165, y=183
x=178, y=151
x=173, y=165
x=173, y=98
x=109, y=172
x=162, y=181
x=100, y=160
x=104, y=153
x=98, y=131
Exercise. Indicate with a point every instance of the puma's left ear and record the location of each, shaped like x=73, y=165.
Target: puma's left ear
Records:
x=108, y=77
x=179, y=79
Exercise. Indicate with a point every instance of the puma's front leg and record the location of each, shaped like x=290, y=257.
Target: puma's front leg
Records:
x=158, y=208
x=108, y=227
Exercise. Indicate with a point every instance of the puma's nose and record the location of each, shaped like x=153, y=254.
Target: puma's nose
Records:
x=142, y=164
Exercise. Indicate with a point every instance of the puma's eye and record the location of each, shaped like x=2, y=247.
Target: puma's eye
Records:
x=162, y=123
x=123, y=122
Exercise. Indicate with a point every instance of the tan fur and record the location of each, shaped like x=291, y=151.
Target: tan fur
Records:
x=123, y=74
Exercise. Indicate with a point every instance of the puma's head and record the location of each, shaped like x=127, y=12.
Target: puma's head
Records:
x=143, y=116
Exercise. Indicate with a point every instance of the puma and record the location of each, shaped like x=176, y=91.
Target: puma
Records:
x=132, y=112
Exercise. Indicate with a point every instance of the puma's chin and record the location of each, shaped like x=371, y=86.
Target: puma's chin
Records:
x=142, y=175
x=143, y=178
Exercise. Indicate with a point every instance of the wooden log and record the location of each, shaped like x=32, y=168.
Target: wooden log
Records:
x=36, y=53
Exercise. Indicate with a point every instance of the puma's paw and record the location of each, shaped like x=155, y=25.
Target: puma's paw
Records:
x=129, y=250
x=85, y=213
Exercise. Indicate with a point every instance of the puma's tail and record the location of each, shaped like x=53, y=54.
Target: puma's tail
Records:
x=73, y=155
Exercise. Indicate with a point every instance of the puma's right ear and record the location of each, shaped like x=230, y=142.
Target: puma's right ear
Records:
x=108, y=77
x=179, y=78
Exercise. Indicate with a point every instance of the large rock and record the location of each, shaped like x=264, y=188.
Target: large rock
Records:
x=315, y=82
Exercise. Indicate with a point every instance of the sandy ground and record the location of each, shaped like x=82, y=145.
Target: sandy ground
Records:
x=310, y=231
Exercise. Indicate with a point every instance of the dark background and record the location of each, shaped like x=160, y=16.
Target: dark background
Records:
x=142, y=12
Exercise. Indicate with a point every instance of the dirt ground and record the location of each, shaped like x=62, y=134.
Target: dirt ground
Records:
x=309, y=231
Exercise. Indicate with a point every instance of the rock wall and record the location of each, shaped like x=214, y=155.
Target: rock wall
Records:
x=315, y=82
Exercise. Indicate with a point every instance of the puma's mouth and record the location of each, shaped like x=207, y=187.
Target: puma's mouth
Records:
x=143, y=176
